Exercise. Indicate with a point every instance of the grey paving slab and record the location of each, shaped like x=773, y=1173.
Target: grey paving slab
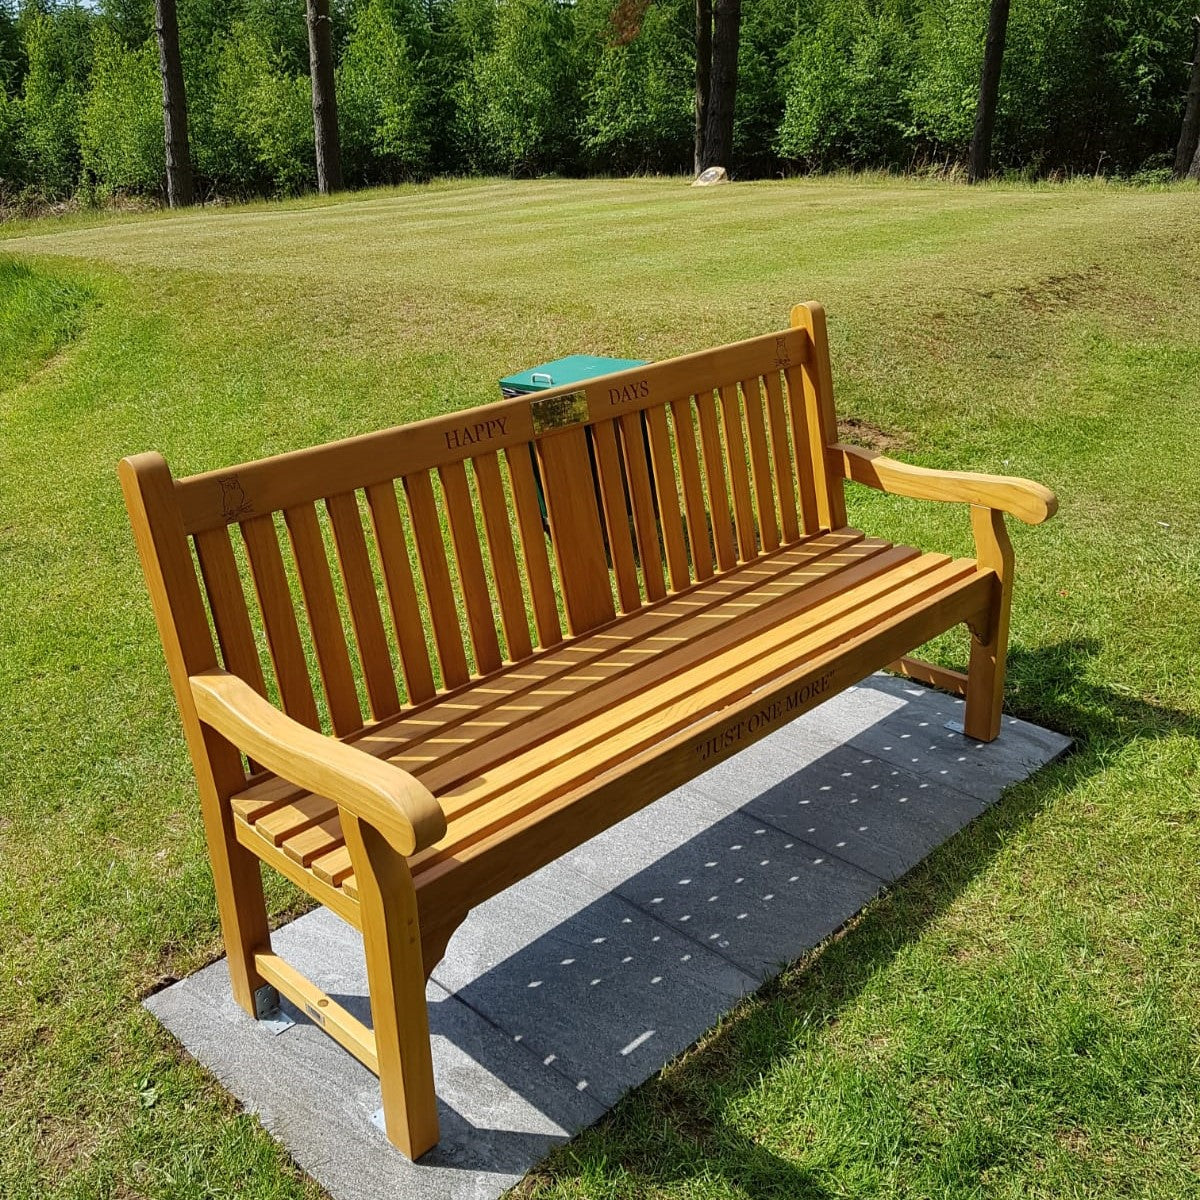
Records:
x=581, y=981
x=880, y=817
x=743, y=888
x=913, y=735
x=647, y=991
x=500, y=1108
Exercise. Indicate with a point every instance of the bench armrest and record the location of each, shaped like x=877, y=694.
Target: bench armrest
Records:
x=377, y=792
x=1022, y=498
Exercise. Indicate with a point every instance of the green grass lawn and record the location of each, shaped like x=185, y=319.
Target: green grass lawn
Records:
x=1019, y=1017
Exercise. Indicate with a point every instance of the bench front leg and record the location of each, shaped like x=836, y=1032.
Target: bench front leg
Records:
x=989, y=635
x=392, y=940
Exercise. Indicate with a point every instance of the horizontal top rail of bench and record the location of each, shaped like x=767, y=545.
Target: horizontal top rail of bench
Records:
x=223, y=497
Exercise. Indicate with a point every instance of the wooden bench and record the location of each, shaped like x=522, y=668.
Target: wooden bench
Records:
x=404, y=723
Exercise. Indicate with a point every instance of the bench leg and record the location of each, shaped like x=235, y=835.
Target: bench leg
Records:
x=989, y=634
x=392, y=939
x=237, y=875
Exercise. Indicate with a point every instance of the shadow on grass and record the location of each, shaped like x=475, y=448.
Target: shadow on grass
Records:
x=673, y=1129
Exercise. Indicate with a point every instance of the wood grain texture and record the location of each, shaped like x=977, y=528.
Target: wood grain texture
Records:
x=324, y=618
x=747, y=602
x=358, y=577
x=616, y=516
x=693, y=489
x=405, y=608
x=989, y=635
x=435, y=572
x=575, y=529
x=279, y=620
x=813, y=378
x=1022, y=498
x=387, y=797
x=641, y=497
x=162, y=546
x=503, y=556
x=533, y=545
x=464, y=536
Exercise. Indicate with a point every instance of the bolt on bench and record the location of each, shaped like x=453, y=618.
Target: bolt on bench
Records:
x=432, y=721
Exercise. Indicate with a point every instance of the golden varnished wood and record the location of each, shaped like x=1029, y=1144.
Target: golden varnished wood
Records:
x=698, y=556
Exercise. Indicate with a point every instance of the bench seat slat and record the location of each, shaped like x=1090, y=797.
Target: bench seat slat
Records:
x=566, y=730
x=527, y=783
x=469, y=747
x=522, y=767
x=668, y=621
x=484, y=865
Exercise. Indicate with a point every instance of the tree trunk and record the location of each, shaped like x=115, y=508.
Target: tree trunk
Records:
x=1194, y=171
x=324, y=99
x=718, y=132
x=1189, y=135
x=175, y=118
x=980, y=166
x=703, y=74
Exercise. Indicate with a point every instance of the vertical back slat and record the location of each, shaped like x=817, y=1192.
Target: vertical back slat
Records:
x=329, y=638
x=788, y=485
x=806, y=448
x=815, y=382
x=616, y=515
x=503, y=555
x=431, y=553
x=760, y=464
x=227, y=603
x=663, y=464
x=401, y=591
x=645, y=523
x=693, y=489
x=575, y=529
x=359, y=580
x=279, y=620
x=464, y=535
x=533, y=546
x=714, y=473
x=739, y=478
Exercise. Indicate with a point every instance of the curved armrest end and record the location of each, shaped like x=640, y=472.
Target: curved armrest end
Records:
x=383, y=795
x=1024, y=499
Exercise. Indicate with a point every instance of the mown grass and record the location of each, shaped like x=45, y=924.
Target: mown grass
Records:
x=1017, y=1017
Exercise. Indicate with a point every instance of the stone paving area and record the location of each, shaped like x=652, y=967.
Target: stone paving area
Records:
x=580, y=982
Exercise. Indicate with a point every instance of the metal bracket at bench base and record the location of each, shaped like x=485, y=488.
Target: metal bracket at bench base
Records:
x=957, y=727
x=269, y=1012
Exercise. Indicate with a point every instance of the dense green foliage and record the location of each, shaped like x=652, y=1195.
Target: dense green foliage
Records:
x=575, y=86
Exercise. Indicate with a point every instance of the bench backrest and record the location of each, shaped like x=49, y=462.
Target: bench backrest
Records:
x=336, y=562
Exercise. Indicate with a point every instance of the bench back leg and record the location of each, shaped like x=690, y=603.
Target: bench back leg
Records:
x=989, y=637
x=187, y=643
x=392, y=940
